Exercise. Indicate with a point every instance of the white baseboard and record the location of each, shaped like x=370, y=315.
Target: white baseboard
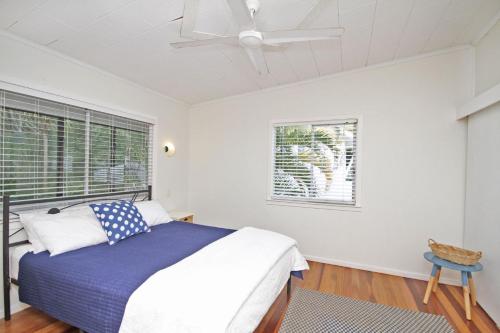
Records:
x=14, y=307
x=378, y=269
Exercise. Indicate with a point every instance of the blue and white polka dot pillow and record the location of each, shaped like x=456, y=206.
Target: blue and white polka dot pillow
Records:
x=119, y=220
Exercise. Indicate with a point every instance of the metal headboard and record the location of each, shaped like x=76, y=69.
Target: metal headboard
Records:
x=6, y=245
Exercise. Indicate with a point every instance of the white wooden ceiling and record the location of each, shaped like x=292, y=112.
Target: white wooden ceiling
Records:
x=130, y=38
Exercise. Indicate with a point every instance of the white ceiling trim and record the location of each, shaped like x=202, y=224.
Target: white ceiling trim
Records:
x=86, y=65
x=480, y=102
x=343, y=73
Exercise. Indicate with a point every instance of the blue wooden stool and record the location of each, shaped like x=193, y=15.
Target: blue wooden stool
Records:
x=467, y=282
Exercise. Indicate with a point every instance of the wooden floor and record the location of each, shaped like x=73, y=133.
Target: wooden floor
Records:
x=380, y=288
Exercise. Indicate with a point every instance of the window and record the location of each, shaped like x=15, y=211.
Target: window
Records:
x=50, y=149
x=315, y=162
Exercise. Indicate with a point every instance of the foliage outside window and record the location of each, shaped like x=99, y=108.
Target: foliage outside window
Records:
x=315, y=162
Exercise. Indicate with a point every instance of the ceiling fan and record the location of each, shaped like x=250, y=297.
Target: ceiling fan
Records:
x=253, y=40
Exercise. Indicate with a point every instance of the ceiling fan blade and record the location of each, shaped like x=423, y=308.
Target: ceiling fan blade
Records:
x=204, y=42
x=306, y=35
x=314, y=13
x=241, y=14
x=258, y=59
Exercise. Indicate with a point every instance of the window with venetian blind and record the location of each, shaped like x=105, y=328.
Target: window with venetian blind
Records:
x=49, y=149
x=315, y=162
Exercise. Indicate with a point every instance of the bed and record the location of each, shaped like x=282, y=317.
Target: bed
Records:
x=92, y=288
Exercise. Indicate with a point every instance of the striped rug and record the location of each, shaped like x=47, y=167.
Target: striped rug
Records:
x=311, y=311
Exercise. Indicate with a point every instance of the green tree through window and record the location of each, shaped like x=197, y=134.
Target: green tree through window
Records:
x=315, y=162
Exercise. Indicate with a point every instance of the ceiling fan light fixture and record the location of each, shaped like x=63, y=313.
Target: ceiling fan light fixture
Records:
x=250, y=38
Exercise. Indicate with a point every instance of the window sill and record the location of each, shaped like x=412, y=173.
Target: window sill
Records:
x=313, y=205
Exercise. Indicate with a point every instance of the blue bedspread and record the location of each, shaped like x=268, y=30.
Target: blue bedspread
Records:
x=89, y=288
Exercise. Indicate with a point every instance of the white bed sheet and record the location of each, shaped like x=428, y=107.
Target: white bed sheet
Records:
x=15, y=256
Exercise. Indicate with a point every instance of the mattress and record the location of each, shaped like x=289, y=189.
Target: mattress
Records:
x=16, y=254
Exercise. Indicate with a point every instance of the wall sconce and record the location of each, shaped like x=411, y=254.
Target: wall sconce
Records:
x=169, y=149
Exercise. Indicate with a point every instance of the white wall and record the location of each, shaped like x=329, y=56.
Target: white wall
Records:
x=413, y=162
x=29, y=65
x=482, y=218
x=482, y=228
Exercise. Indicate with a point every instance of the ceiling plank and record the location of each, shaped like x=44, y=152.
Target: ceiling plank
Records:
x=302, y=60
x=328, y=56
x=390, y=21
x=12, y=11
x=240, y=61
x=424, y=18
x=279, y=67
x=483, y=20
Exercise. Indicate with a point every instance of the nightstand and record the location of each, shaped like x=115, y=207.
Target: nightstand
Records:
x=182, y=216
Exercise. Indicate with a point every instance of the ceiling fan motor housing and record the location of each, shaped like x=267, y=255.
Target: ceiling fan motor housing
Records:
x=250, y=38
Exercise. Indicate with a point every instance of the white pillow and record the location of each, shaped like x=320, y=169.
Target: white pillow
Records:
x=70, y=230
x=67, y=231
x=28, y=220
x=152, y=212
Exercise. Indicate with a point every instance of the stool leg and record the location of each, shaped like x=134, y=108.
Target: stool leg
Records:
x=430, y=284
x=472, y=287
x=466, y=296
x=438, y=274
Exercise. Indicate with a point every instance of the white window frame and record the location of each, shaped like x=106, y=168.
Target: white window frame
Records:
x=304, y=202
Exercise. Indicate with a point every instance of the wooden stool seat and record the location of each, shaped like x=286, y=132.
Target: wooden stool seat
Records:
x=467, y=283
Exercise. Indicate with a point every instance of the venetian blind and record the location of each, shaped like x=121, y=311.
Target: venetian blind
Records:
x=50, y=149
x=315, y=162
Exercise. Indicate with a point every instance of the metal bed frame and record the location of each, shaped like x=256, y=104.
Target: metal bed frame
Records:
x=6, y=244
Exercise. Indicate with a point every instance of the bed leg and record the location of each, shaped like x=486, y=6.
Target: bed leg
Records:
x=5, y=248
x=289, y=287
